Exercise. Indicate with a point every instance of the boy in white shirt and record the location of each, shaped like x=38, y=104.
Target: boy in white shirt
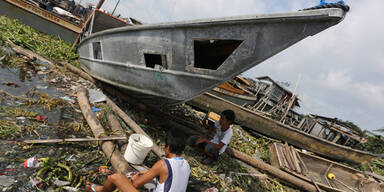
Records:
x=223, y=134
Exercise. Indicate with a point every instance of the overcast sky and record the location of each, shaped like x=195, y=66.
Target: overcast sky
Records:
x=342, y=67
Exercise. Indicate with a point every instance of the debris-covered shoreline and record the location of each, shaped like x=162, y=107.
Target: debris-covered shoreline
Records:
x=42, y=105
x=38, y=101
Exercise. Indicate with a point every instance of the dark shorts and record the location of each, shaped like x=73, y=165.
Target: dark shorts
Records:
x=208, y=147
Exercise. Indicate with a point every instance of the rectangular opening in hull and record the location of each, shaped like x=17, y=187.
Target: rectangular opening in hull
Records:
x=210, y=54
x=155, y=61
x=97, y=50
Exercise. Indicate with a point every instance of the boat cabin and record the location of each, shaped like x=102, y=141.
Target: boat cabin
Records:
x=267, y=87
x=331, y=129
x=275, y=100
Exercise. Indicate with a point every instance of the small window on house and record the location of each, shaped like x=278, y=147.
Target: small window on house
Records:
x=97, y=50
x=210, y=54
x=155, y=61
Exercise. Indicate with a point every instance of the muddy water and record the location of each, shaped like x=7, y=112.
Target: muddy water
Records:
x=12, y=83
x=13, y=175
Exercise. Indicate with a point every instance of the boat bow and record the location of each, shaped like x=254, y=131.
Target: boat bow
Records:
x=170, y=63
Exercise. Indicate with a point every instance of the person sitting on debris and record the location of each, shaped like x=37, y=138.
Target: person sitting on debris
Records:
x=172, y=173
x=216, y=146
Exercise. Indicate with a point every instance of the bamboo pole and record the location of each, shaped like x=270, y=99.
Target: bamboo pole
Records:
x=117, y=160
x=44, y=141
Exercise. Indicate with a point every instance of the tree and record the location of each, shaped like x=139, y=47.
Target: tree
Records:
x=379, y=130
x=353, y=126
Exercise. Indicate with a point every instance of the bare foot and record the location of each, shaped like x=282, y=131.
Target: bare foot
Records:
x=96, y=188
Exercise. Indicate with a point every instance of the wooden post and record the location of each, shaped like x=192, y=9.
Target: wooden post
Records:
x=117, y=160
x=116, y=128
x=132, y=124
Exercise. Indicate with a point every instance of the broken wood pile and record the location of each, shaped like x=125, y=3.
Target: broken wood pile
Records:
x=117, y=160
x=237, y=154
x=289, y=159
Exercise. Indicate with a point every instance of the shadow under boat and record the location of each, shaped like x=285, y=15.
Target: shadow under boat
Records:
x=171, y=63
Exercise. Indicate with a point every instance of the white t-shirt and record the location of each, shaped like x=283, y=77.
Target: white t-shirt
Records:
x=224, y=137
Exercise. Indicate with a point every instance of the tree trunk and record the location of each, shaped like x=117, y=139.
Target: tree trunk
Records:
x=116, y=128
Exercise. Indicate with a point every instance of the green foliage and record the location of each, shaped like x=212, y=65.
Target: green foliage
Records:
x=375, y=144
x=353, y=126
x=379, y=130
x=246, y=143
x=8, y=128
x=48, y=46
x=377, y=166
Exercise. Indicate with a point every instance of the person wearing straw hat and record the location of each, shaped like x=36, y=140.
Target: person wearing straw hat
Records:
x=172, y=173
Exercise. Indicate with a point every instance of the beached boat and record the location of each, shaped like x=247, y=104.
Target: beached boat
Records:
x=294, y=136
x=328, y=175
x=40, y=19
x=170, y=63
x=235, y=91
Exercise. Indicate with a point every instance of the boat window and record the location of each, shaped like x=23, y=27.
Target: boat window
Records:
x=155, y=61
x=210, y=54
x=97, y=50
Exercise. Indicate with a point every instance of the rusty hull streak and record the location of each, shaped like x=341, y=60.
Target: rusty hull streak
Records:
x=272, y=128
